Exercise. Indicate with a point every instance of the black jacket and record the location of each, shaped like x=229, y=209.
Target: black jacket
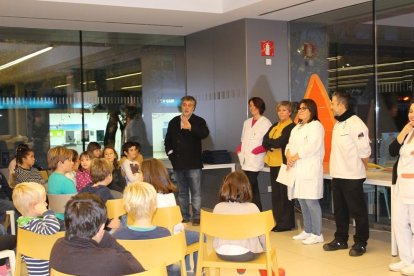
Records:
x=281, y=142
x=118, y=181
x=394, y=150
x=185, y=144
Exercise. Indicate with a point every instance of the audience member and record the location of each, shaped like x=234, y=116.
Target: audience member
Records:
x=94, y=150
x=87, y=249
x=83, y=175
x=25, y=170
x=236, y=198
x=130, y=166
x=76, y=162
x=118, y=181
x=60, y=162
x=30, y=200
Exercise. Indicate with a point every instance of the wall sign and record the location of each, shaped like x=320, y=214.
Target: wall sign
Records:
x=267, y=48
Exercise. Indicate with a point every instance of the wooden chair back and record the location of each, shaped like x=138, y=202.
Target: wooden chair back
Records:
x=236, y=227
x=115, y=208
x=57, y=203
x=154, y=253
x=34, y=245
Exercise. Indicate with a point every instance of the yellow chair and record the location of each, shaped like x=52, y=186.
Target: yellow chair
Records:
x=236, y=227
x=44, y=174
x=159, y=271
x=154, y=253
x=57, y=202
x=115, y=208
x=34, y=245
x=168, y=217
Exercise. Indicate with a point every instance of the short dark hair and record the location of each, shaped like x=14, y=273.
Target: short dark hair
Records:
x=236, y=188
x=259, y=104
x=311, y=106
x=188, y=99
x=84, y=215
x=22, y=151
x=93, y=146
x=126, y=146
x=343, y=98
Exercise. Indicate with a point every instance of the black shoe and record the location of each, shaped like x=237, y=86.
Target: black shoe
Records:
x=335, y=245
x=357, y=250
x=281, y=229
x=196, y=222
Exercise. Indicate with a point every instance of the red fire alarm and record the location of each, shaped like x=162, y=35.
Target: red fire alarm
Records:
x=267, y=48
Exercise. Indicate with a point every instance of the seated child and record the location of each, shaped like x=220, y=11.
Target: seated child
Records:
x=83, y=175
x=94, y=150
x=131, y=167
x=235, y=198
x=25, y=170
x=76, y=162
x=140, y=201
x=30, y=200
x=118, y=181
x=60, y=162
x=101, y=174
x=87, y=248
x=155, y=173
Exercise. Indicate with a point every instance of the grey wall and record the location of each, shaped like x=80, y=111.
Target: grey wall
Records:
x=224, y=69
x=271, y=83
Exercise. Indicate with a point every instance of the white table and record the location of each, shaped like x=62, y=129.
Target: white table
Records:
x=231, y=166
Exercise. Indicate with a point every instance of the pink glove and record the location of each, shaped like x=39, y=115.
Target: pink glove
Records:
x=238, y=149
x=259, y=149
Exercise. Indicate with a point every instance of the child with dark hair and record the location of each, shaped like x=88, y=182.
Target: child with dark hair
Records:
x=118, y=181
x=101, y=176
x=94, y=150
x=76, y=162
x=236, y=198
x=25, y=170
x=131, y=167
x=87, y=248
x=83, y=175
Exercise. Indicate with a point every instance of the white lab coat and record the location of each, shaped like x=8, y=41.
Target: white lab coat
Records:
x=308, y=141
x=251, y=138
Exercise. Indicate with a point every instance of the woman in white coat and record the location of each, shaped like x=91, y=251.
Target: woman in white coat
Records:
x=251, y=152
x=304, y=154
x=403, y=200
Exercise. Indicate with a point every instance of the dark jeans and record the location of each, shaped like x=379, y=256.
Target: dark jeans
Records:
x=283, y=208
x=252, y=176
x=349, y=201
x=189, y=181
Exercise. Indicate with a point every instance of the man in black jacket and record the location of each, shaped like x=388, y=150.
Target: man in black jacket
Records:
x=183, y=147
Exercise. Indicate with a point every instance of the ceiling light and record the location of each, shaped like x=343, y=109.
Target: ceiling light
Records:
x=62, y=85
x=24, y=58
x=131, y=87
x=125, y=76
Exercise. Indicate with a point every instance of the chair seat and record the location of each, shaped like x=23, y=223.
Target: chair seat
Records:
x=212, y=260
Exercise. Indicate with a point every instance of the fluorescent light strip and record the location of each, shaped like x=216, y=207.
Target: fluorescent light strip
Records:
x=131, y=87
x=370, y=66
x=62, y=85
x=125, y=76
x=24, y=58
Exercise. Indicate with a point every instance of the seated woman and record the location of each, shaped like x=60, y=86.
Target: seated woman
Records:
x=235, y=198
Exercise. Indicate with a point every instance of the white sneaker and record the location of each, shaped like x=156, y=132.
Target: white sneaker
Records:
x=397, y=266
x=408, y=270
x=302, y=236
x=313, y=239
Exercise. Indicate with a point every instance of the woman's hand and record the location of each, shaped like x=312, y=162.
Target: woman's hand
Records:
x=407, y=128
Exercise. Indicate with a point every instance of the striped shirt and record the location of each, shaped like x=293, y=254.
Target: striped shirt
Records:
x=46, y=225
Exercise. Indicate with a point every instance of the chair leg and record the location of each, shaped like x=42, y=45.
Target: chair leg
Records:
x=10, y=216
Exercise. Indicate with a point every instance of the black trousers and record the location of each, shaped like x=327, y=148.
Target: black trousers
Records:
x=252, y=176
x=283, y=208
x=349, y=202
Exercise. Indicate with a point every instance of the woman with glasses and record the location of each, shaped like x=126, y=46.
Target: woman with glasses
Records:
x=250, y=151
x=275, y=141
x=304, y=154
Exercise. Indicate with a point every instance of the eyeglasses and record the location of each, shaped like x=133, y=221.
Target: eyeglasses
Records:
x=302, y=108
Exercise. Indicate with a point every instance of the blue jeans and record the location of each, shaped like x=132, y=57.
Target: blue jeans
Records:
x=312, y=215
x=190, y=238
x=189, y=181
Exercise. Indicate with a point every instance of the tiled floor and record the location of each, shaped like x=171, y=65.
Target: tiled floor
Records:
x=298, y=259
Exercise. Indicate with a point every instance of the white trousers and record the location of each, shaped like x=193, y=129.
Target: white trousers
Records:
x=403, y=225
